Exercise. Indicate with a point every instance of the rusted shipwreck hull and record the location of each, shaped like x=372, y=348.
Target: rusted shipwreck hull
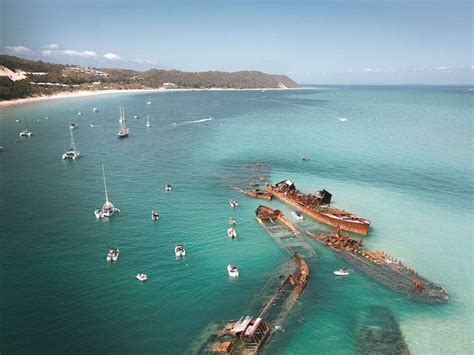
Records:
x=266, y=213
x=317, y=206
x=383, y=268
x=248, y=334
x=257, y=194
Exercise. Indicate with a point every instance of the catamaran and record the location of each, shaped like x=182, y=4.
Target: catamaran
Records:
x=123, y=130
x=108, y=208
x=26, y=132
x=73, y=153
x=148, y=124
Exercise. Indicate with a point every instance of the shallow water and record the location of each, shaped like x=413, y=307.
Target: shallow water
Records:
x=401, y=157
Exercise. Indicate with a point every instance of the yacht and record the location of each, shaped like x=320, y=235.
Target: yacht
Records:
x=108, y=208
x=123, y=130
x=232, y=270
x=168, y=187
x=154, y=215
x=142, y=277
x=233, y=203
x=95, y=109
x=26, y=133
x=231, y=233
x=113, y=254
x=232, y=221
x=341, y=272
x=72, y=125
x=73, y=153
x=179, y=250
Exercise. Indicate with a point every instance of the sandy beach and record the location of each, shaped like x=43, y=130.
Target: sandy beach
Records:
x=63, y=95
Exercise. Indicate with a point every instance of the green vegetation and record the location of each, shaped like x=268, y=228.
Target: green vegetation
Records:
x=74, y=78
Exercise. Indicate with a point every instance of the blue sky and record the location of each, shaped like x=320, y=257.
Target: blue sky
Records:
x=327, y=42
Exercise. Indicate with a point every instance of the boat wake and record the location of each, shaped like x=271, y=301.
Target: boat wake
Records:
x=185, y=123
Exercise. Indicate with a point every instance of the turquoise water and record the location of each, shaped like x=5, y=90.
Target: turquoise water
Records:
x=401, y=157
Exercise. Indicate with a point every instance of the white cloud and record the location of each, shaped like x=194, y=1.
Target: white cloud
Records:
x=46, y=52
x=441, y=68
x=145, y=61
x=370, y=70
x=17, y=49
x=289, y=73
x=112, y=56
x=472, y=67
x=74, y=53
x=51, y=46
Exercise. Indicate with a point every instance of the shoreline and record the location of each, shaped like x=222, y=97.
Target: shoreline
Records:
x=84, y=93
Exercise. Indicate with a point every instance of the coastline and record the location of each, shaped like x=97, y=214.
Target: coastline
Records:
x=83, y=93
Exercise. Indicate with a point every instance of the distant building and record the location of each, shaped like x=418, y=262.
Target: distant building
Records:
x=169, y=86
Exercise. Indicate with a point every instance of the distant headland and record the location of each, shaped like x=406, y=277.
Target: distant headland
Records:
x=23, y=78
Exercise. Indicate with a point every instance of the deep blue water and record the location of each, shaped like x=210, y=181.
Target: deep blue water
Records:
x=400, y=156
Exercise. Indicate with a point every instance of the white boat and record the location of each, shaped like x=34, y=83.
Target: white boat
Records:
x=341, y=272
x=233, y=203
x=72, y=125
x=113, y=254
x=148, y=124
x=95, y=109
x=80, y=113
x=17, y=121
x=92, y=125
x=168, y=187
x=232, y=270
x=26, y=133
x=73, y=153
x=154, y=215
x=136, y=116
x=298, y=216
x=142, y=277
x=305, y=158
x=123, y=130
x=231, y=232
x=108, y=208
x=179, y=250
x=232, y=221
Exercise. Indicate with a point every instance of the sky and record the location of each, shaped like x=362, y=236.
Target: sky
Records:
x=312, y=42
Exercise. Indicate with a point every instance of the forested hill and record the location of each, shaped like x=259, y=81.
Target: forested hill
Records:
x=25, y=78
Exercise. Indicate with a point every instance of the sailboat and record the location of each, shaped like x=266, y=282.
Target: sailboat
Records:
x=73, y=153
x=123, y=130
x=108, y=208
x=148, y=124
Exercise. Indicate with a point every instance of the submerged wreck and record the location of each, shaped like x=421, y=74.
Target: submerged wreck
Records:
x=318, y=207
x=264, y=213
x=378, y=332
x=383, y=268
x=257, y=193
x=248, y=334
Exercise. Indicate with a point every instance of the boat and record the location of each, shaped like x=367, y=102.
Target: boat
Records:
x=232, y=270
x=168, y=187
x=305, y=158
x=267, y=216
x=72, y=125
x=142, y=277
x=341, y=272
x=80, y=113
x=73, y=153
x=318, y=206
x=17, y=121
x=154, y=215
x=123, y=130
x=108, y=208
x=26, y=132
x=179, y=250
x=257, y=193
x=298, y=216
x=233, y=203
x=135, y=116
x=231, y=232
x=232, y=221
x=92, y=125
x=148, y=124
x=113, y=254
x=95, y=109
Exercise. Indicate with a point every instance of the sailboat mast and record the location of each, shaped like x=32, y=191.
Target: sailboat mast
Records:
x=105, y=184
x=73, y=144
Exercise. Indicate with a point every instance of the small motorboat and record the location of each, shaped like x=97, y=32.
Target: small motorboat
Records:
x=232, y=270
x=113, y=254
x=142, y=277
x=72, y=126
x=179, y=250
x=232, y=221
x=80, y=113
x=154, y=215
x=95, y=109
x=298, y=216
x=17, y=121
x=231, y=232
x=135, y=116
x=341, y=272
x=92, y=125
x=233, y=203
x=26, y=133
x=305, y=158
x=168, y=187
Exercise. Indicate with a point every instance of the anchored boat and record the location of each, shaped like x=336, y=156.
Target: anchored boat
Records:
x=232, y=270
x=113, y=254
x=108, y=208
x=123, y=130
x=231, y=233
x=179, y=250
x=72, y=153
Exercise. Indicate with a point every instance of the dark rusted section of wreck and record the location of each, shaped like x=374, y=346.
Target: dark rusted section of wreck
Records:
x=248, y=334
x=317, y=206
x=383, y=268
x=264, y=213
x=257, y=193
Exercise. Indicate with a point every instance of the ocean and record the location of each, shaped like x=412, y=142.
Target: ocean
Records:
x=400, y=156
